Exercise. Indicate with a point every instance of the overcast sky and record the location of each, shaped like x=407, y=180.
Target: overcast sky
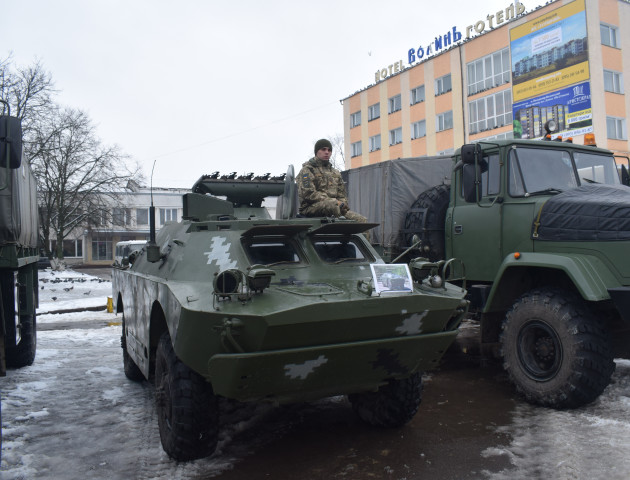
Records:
x=200, y=86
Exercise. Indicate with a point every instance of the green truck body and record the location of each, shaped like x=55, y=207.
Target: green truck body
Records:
x=543, y=231
x=18, y=250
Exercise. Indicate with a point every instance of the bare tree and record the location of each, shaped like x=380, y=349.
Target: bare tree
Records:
x=29, y=91
x=79, y=178
x=337, y=159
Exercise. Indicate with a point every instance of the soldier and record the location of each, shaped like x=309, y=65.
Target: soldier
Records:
x=321, y=189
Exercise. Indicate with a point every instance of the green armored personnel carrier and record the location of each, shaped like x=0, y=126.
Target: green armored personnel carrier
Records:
x=230, y=302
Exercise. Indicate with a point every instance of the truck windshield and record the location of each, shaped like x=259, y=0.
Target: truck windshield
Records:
x=596, y=168
x=536, y=171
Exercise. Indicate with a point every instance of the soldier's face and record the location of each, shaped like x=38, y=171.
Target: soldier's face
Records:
x=324, y=154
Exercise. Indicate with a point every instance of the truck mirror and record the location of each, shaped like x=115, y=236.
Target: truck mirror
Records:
x=471, y=179
x=10, y=142
x=468, y=154
x=625, y=176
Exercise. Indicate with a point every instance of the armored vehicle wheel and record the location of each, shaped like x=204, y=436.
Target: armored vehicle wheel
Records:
x=188, y=414
x=426, y=218
x=555, y=350
x=392, y=405
x=23, y=353
x=132, y=372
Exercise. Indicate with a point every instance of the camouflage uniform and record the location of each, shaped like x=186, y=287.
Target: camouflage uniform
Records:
x=320, y=186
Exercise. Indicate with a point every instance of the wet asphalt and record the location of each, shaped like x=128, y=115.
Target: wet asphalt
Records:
x=463, y=405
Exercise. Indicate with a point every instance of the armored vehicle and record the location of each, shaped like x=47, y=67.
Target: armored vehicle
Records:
x=232, y=303
x=543, y=230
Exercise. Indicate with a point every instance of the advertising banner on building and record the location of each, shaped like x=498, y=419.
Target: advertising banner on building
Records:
x=569, y=107
x=550, y=52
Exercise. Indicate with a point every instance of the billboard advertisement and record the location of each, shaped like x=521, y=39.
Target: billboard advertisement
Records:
x=570, y=107
x=549, y=52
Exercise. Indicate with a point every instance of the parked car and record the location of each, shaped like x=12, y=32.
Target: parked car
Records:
x=43, y=263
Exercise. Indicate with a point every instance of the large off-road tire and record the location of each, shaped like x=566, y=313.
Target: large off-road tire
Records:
x=22, y=353
x=132, y=372
x=555, y=350
x=393, y=405
x=188, y=412
x=426, y=218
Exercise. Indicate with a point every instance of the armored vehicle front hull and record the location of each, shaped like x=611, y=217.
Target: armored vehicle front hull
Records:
x=279, y=310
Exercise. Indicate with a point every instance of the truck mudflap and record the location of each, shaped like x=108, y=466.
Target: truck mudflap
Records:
x=293, y=375
x=621, y=298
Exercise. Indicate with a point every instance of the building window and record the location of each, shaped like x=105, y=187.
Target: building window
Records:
x=613, y=81
x=488, y=72
x=374, y=111
x=499, y=136
x=395, y=136
x=443, y=85
x=121, y=217
x=142, y=216
x=417, y=95
x=444, y=121
x=490, y=112
x=419, y=129
x=355, y=149
x=394, y=104
x=375, y=143
x=73, y=248
x=168, y=215
x=98, y=218
x=616, y=128
x=355, y=119
x=609, y=35
x=102, y=250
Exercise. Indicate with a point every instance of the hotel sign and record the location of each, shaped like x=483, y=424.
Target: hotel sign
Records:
x=452, y=37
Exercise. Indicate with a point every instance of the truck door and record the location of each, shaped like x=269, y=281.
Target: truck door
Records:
x=474, y=230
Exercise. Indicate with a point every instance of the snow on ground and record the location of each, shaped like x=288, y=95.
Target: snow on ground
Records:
x=69, y=289
x=591, y=442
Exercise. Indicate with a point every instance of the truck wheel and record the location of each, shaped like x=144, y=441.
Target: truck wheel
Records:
x=23, y=353
x=393, y=405
x=555, y=350
x=188, y=412
x=132, y=372
x=426, y=218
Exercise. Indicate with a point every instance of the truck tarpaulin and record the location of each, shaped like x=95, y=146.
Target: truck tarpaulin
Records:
x=370, y=191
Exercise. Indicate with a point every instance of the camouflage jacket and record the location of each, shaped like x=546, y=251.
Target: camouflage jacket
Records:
x=319, y=181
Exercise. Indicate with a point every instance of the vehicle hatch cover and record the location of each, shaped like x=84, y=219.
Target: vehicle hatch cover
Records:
x=284, y=230
x=344, y=228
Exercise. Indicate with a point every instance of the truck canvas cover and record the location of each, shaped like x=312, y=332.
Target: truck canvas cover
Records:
x=591, y=212
x=18, y=207
x=371, y=187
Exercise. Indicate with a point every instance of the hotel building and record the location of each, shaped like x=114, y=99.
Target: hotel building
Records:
x=500, y=77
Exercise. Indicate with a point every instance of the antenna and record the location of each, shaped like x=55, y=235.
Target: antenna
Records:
x=153, y=250
x=152, y=211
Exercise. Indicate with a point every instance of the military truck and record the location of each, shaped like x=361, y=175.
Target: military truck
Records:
x=543, y=231
x=230, y=303
x=18, y=250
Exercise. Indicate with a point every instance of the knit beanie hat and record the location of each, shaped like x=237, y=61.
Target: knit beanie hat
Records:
x=321, y=144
